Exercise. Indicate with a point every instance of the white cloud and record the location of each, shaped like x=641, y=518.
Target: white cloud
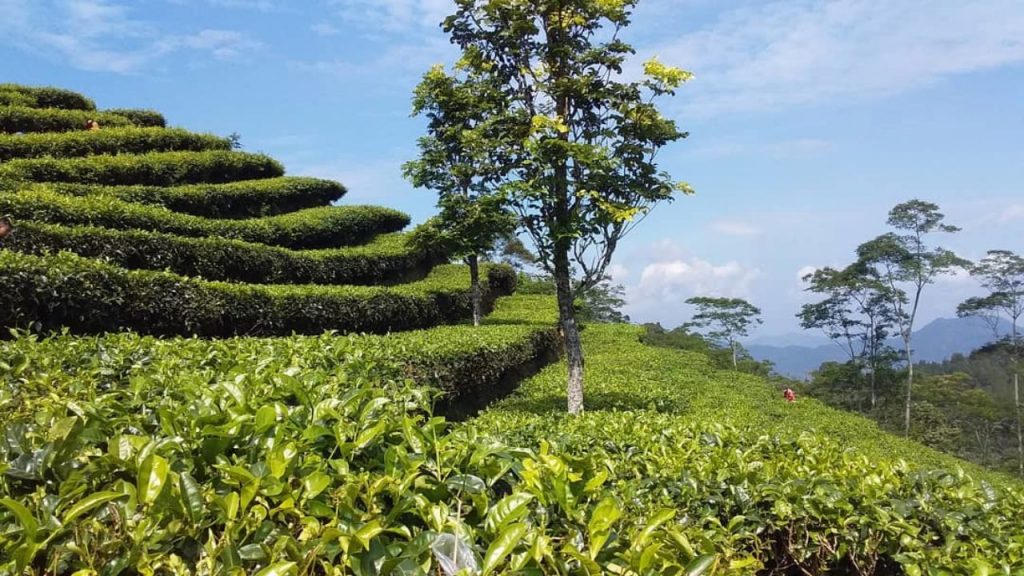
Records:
x=1012, y=213
x=617, y=272
x=394, y=15
x=805, y=271
x=672, y=275
x=735, y=228
x=101, y=35
x=784, y=53
x=404, y=63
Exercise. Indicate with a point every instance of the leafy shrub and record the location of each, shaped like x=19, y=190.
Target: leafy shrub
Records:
x=108, y=141
x=760, y=484
x=386, y=260
x=138, y=117
x=154, y=169
x=326, y=227
x=47, y=97
x=316, y=458
x=16, y=99
x=23, y=119
x=242, y=199
x=89, y=296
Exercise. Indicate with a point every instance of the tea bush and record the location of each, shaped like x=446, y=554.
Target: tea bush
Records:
x=18, y=118
x=388, y=259
x=242, y=199
x=154, y=169
x=286, y=456
x=139, y=117
x=325, y=227
x=760, y=484
x=89, y=296
x=108, y=141
x=46, y=97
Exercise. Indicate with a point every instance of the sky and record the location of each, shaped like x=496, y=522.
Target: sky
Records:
x=808, y=119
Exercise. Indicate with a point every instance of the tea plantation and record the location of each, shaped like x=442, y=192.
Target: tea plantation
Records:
x=213, y=369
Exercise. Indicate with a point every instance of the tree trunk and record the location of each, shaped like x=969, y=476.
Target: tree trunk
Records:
x=734, y=365
x=873, y=395
x=570, y=331
x=476, y=295
x=910, y=386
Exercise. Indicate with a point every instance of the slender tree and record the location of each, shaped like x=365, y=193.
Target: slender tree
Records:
x=585, y=173
x=1001, y=272
x=903, y=259
x=856, y=313
x=724, y=320
x=461, y=159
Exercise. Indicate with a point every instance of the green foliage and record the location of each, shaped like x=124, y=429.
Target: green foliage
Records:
x=258, y=455
x=680, y=338
x=242, y=199
x=89, y=296
x=462, y=159
x=107, y=141
x=602, y=302
x=152, y=169
x=726, y=320
x=325, y=227
x=388, y=259
x=139, y=117
x=44, y=97
x=15, y=119
x=759, y=484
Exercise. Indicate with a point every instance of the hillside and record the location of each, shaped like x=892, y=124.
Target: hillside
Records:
x=933, y=342
x=215, y=369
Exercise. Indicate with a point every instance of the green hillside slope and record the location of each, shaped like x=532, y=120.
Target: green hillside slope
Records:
x=211, y=370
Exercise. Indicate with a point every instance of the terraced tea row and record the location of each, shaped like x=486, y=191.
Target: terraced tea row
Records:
x=239, y=199
x=325, y=227
x=244, y=453
x=15, y=119
x=387, y=259
x=88, y=296
x=108, y=141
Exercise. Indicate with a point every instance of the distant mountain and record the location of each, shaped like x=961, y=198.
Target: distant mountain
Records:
x=935, y=342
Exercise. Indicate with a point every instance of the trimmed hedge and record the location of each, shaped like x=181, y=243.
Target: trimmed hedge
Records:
x=242, y=199
x=154, y=169
x=139, y=117
x=16, y=99
x=88, y=296
x=109, y=141
x=389, y=259
x=325, y=227
x=15, y=119
x=47, y=97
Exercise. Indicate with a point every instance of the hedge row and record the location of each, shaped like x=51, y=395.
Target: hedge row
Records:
x=45, y=97
x=243, y=199
x=139, y=117
x=389, y=259
x=89, y=296
x=14, y=119
x=109, y=141
x=325, y=227
x=154, y=169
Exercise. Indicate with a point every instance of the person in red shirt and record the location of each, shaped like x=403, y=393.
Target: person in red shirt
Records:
x=5, y=227
x=789, y=395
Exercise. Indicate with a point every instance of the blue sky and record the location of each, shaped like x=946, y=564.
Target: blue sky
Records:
x=808, y=119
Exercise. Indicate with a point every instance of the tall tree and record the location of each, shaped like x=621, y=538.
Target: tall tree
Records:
x=462, y=160
x=725, y=320
x=1001, y=272
x=856, y=313
x=903, y=261
x=586, y=173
